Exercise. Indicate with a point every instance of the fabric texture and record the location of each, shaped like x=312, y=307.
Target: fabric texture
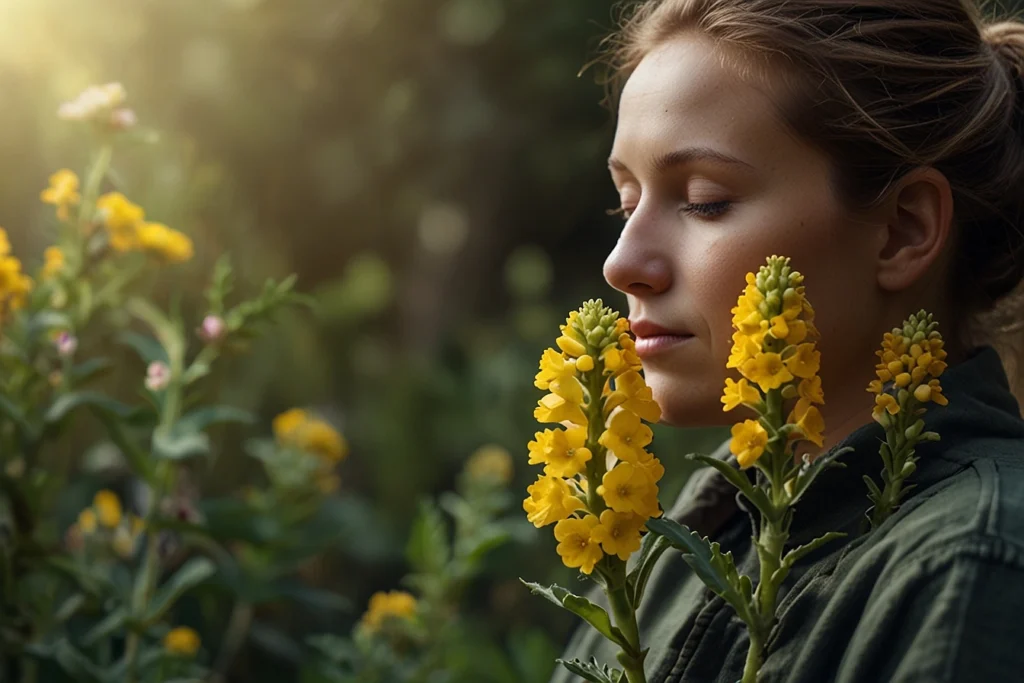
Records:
x=935, y=595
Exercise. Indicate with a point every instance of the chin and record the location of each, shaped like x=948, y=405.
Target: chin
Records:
x=686, y=402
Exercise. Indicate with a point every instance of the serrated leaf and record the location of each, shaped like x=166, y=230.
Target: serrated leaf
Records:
x=429, y=549
x=593, y=614
x=717, y=570
x=738, y=479
x=652, y=548
x=796, y=554
x=592, y=671
x=190, y=575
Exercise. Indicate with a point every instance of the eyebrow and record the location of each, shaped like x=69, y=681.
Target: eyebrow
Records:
x=664, y=162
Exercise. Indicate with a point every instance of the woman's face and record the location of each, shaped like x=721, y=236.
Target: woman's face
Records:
x=712, y=183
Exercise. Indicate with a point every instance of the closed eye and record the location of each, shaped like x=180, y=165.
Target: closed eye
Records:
x=706, y=209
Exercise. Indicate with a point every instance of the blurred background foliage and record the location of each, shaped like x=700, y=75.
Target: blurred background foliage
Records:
x=433, y=170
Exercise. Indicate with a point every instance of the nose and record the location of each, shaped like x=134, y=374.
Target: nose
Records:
x=635, y=266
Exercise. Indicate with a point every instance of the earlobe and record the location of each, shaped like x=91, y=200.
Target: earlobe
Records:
x=919, y=218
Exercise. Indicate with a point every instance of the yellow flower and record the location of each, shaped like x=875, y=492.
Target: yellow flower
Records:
x=5, y=244
x=87, y=520
x=749, y=439
x=550, y=500
x=182, y=642
x=385, y=606
x=619, y=533
x=121, y=218
x=745, y=347
x=810, y=390
x=809, y=420
x=558, y=375
x=931, y=392
x=806, y=362
x=626, y=436
x=576, y=543
x=556, y=409
x=571, y=346
x=62, y=192
x=53, y=262
x=490, y=463
x=288, y=422
x=108, y=508
x=166, y=244
x=633, y=394
x=767, y=370
x=911, y=360
x=738, y=393
x=562, y=452
x=14, y=285
x=298, y=428
x=630, y=488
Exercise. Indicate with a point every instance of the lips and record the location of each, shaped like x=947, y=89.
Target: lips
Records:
x=652, y=339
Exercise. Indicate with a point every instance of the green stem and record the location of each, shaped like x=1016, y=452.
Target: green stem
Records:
x=234, y=638
x=754, y=659
x=625, y=620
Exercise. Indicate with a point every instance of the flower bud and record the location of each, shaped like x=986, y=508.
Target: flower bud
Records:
x=158, y=376
x=908, y=469
x=914, y=430
x=585, y=363
x=930, y=436
x=571, y=346
x=212, y=329
x=66, y=344
x=923, y=393
x=596, y=336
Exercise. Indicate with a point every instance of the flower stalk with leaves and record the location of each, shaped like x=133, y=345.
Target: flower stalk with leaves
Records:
x=774, y=351
x=911, y=360
x=600, y=484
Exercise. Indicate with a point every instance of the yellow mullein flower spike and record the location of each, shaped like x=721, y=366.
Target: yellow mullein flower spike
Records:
x=910, y=363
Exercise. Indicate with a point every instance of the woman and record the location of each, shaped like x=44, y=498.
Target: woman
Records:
x=880, y=144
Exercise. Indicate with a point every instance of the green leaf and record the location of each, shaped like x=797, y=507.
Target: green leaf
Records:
x=65, y=403
x=651, y=549
x=717, y=571
x=737, y=478
x=87, y=370
x=796, y=554
x=179, y=445
x=808, y=475
x=190, y=575
x=592, y=671
x=149, y=349
x=107, y=626
x=581, y=607
x=199, y=420
x=75, y=663
x=429, y=550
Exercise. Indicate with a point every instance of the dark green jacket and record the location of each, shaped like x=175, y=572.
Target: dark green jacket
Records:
x=935, y=595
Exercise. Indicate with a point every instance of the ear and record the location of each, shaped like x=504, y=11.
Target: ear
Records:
x=919, y=220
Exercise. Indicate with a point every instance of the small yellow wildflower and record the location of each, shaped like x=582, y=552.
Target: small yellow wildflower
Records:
x=739, y=393
x=299, y=429
x=749, y=439
x=562, y=452
x=385, y=606
x=630, y=488
x=911, y=360
x=576, y=543
x=122, y=219
x=809, y=420
x=619, y=533
x=633, y=394
x=182, y=642
x=805, y=363
x=555, y=409
x=164, y=243
x=53, y=262
x=87, y=520
x=108, y=508
x=626, y=436
x=550, y=501
x=558, y=376
x=490, y=463
x=810, y=390
x=571, y=346
x=288, y=422
x=767, y=370
x=62, y=192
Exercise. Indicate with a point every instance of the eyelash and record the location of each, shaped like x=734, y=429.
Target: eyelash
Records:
x=702, y=210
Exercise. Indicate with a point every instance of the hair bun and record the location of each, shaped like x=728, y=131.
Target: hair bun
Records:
x=1007, y=39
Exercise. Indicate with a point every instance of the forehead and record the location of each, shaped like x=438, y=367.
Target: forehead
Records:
x=684, y=93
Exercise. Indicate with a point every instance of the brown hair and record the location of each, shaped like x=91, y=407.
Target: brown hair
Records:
x=885, y=86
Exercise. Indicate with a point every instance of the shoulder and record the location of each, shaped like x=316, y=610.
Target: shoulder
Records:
x=973, y=508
